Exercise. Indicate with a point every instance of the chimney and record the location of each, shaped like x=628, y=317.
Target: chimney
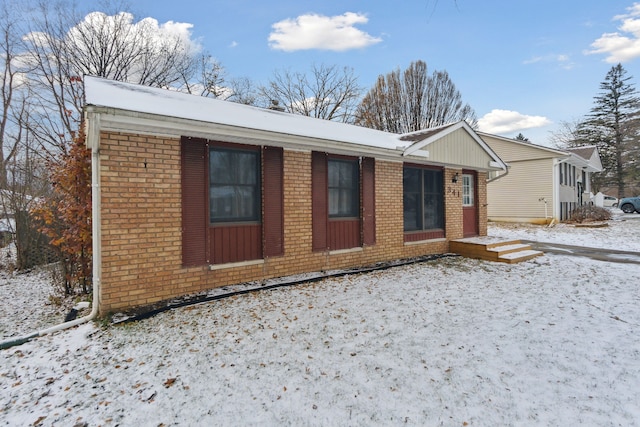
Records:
x=275, y=105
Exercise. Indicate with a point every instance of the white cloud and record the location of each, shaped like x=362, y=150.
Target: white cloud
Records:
x=337, y=33
x=562, y=60
x=506, y=121
x=624, y=45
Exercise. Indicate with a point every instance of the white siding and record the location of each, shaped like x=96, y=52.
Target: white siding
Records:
x=513, y=151
x=517, y=196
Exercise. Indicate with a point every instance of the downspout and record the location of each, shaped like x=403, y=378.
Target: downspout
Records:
x=506, y=172
x=93, y=140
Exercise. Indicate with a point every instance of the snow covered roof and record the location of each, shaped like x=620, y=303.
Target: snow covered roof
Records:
x=166, y=111
x=126, y=96
x=587, y=157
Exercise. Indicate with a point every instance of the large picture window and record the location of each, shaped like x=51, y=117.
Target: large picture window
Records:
x=423, y=199
x=344, y=188
x=234, y=185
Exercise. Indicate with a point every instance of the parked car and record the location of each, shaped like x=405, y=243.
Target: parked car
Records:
x=630, y=204
x=610, y=202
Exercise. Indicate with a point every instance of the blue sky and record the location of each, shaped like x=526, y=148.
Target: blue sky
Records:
x=524, y=66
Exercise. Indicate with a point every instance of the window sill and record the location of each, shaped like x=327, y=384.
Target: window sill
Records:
x=345, y=251
x=420, y=242
x=235, y=264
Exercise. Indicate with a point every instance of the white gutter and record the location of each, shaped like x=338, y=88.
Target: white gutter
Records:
x=92, y=132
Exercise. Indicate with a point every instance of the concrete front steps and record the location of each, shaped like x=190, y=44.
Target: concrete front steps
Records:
x=493, y=249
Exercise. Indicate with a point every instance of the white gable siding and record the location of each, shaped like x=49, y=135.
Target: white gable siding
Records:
x=459, y=148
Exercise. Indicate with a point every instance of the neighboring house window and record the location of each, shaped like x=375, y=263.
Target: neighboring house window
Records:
x=423, y=203
x=234, y=185
x=568, y=175
x=232, y=202
x=468, y=190
x=343, y=201
x=344, y=188
x=566, y=209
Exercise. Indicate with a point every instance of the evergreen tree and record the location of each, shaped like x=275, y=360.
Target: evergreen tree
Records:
x=612, y=126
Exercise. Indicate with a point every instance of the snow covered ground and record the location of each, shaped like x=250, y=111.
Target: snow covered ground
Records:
x=453, y=342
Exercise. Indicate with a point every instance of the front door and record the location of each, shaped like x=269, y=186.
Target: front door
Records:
x=469, y=205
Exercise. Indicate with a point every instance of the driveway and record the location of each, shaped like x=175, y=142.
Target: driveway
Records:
x=609, y=255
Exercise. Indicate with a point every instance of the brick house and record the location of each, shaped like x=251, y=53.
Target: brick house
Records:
x=191, y=193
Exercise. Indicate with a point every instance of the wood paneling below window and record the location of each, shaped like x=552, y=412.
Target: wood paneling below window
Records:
x=236, y=243
x=344, y=234
x=423, y=235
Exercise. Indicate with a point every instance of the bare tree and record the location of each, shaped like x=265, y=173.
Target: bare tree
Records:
x=26, y=184
x=567, y=135
x=63, y=45
x=412, y=100
x=209, y=78
x=12, y=105
x=327, y=92
x=243, y=91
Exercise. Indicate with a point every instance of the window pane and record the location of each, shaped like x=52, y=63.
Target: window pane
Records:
x=412, y=211
x=234, y=185
x=467, y=190
x=432, y=212
x=433, y=200
x=411, y=180
x=344, y=188
x=423, y=199
x=233, y=167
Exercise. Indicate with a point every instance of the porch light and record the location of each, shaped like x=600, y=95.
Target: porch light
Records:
x=454, y=178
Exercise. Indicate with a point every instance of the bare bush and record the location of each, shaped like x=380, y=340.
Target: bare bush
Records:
x=589, y=213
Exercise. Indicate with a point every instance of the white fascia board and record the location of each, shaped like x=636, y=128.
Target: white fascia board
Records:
x=419, y=153
x=582, y=163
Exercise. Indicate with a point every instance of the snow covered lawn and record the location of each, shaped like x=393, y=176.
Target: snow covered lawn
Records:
x=454, y=342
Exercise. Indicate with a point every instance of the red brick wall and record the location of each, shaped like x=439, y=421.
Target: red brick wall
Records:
x=141, y=224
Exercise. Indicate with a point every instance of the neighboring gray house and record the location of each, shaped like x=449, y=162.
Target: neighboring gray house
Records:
x=542, y=184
